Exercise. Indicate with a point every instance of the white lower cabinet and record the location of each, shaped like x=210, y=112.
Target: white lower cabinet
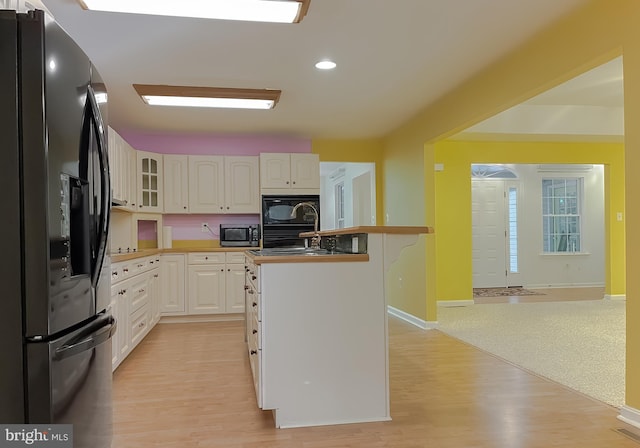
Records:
x=206, y=289
x=135, y=297
x=216, y=282
x=172, y=267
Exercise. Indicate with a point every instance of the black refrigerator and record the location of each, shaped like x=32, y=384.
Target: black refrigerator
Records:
x=55, y=322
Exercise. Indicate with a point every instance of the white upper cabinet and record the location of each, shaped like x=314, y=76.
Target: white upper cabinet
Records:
x=283, y=171
x=206, y=184
x=150, y=185
x=121, y=170
x=241, y=187
x=176, y=184
x=223, y=184
x=275, y=170
x=305, y=171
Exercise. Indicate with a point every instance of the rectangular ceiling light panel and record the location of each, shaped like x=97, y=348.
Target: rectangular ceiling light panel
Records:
x=280, y=11
x=182, y=96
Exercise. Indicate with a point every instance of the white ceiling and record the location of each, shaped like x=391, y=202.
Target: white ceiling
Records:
x=589, y=107
x=394, y=57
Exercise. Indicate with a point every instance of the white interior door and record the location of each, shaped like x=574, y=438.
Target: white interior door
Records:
x=488, y=230
x=362, y=215
x=494, y=230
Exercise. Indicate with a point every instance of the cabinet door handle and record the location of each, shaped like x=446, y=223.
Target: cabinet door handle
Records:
x=246, y=287
x=253, y=352
x=185, y=207
x=253, y=277
x=254, y=304
x=140, y=290
x=287, y=182
x=155, y=276
x=206, y=258
x=254, y=331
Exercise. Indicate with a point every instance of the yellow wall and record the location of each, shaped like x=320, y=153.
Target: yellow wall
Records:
x=363, y=151
x=453, y=203
x=592, y=35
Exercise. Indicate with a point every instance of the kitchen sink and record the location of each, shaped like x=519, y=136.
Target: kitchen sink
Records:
x=287, y=251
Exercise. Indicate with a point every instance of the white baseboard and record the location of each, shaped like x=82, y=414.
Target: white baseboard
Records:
x=410, y=318
x=455, y=303
x=563, y=285
x=195, y=318
x=630, y=415
x=615, y=297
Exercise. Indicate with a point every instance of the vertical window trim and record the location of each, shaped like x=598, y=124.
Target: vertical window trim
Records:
x=338, y=191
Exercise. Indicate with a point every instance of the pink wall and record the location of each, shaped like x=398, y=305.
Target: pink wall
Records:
x=217, y=145
x=147, y=230
x=187, y=227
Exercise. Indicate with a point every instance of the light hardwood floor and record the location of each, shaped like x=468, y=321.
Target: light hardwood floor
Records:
x=189, y=385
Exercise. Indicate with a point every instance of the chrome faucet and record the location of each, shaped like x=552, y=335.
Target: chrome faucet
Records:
x=315, y=240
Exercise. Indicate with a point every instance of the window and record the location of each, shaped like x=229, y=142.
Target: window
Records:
x=512, y=203
x=561, y=226
x=339, y=195
x=479, y=171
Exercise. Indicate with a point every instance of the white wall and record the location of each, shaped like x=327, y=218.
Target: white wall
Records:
x=327, y=192
x=540, y=270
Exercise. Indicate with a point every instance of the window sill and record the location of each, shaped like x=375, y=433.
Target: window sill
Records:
x=563, y=254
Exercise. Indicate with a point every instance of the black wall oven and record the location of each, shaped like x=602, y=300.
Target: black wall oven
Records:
x=279, y=227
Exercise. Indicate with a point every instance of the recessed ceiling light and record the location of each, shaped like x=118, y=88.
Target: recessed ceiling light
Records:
x=326, y=65
x=159, y=95
x=281, y=11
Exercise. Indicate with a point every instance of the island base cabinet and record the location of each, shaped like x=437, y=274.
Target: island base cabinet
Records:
x=321, y=356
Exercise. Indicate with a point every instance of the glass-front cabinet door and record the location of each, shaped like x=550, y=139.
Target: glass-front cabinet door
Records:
x=150, y=172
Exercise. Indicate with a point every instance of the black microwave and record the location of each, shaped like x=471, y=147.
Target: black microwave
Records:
x=239, y=235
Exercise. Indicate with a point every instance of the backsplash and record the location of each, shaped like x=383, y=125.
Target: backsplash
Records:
x=188, y=227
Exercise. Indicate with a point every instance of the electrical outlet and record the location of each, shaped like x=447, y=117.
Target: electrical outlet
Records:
x=204, y=228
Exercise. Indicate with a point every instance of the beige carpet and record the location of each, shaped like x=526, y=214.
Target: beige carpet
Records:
x=579, y=344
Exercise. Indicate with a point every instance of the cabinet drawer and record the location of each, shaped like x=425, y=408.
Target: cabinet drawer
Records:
x=139, y=325
x=139, y=293
x=235, y=257
x=253, y=304
x=253, y=276
x=206, y=258
x=256, y=330
x=255, y=361
x=116, y=273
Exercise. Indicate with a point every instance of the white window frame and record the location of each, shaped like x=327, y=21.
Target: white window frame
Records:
x=338, y=190
x=562, y=227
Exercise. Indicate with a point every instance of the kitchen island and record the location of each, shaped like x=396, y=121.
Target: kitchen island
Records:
x=317, y=329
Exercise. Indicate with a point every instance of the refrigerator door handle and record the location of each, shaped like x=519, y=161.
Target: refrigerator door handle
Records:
x=105, y=183
x=86, y=342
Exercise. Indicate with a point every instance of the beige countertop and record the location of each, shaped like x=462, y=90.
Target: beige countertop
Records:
x=329, y=258
x=393, y=230
x=115, y=258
